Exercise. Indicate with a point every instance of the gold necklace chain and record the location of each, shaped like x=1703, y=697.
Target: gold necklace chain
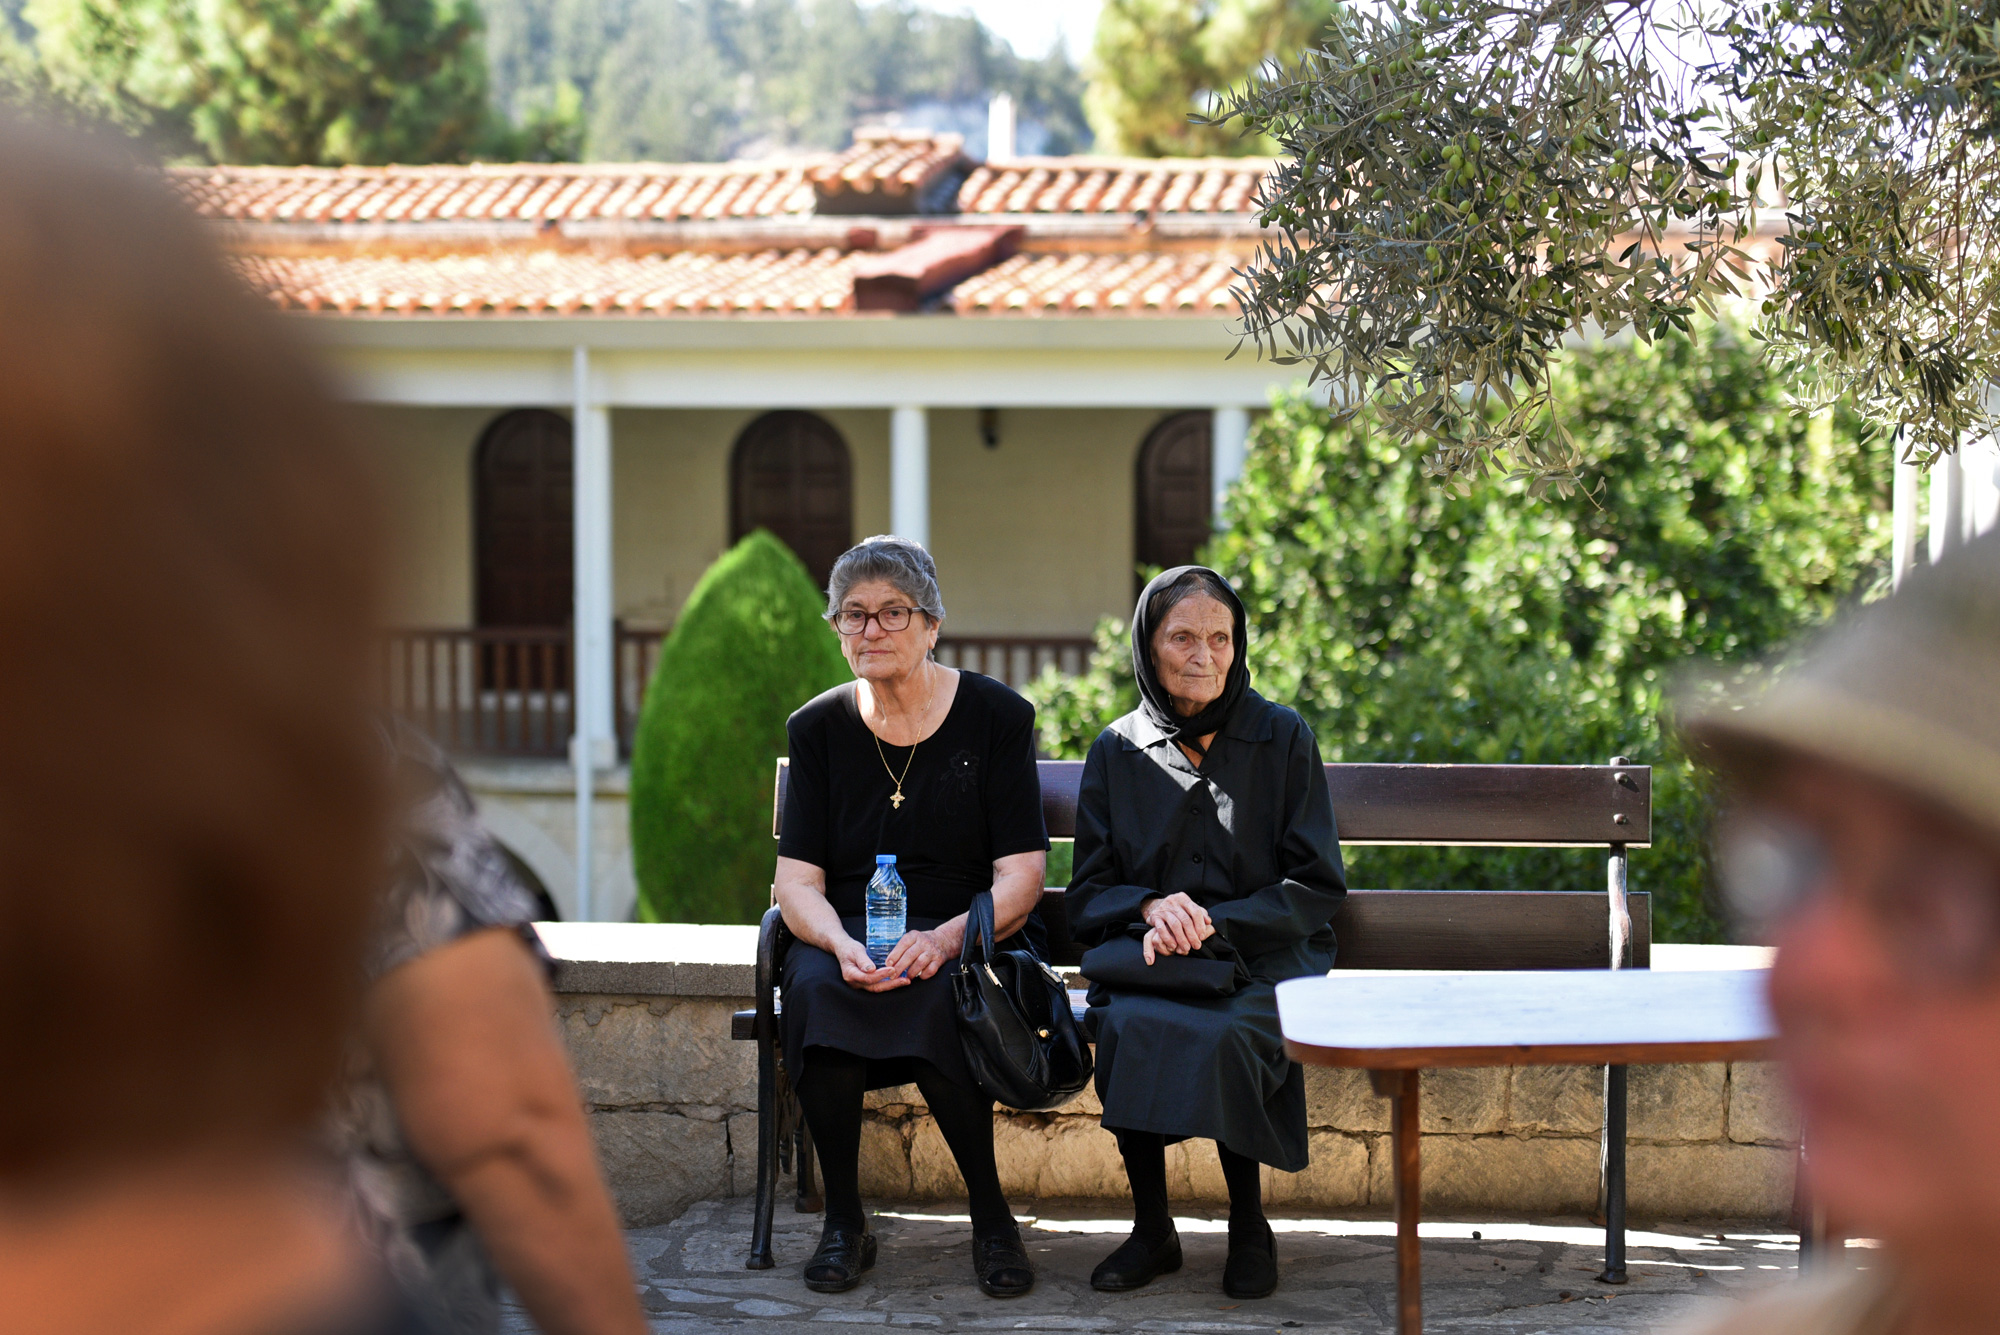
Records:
x=896, y=798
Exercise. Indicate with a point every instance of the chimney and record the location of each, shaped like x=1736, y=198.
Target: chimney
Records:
x=1000, y=128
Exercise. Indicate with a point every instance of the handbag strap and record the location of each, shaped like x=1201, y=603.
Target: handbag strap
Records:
x=979, y=930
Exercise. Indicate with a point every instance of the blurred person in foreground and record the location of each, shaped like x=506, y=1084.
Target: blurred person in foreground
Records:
x=1862, y=838
x=459, y=1123
x=192, y=796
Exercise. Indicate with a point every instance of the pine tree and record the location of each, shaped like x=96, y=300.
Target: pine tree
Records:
x=1155, y=62
x=749, y=648
x=275, y=81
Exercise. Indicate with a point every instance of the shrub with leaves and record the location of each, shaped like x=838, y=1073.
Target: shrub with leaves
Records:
x=750, y=647
x=1411, y=623
x=1473, y=183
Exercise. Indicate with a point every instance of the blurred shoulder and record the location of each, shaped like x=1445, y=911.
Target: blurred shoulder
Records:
x=1855, y=1302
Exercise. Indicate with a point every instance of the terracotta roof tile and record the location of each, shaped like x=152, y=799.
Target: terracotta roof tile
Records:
x=496, y=194
x=689, y=283
x=881, y=173
x=544, y=282
x=1085, y=284
x=1114, y=185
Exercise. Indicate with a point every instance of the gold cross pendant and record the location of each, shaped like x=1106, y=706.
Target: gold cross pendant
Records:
x=897, y=799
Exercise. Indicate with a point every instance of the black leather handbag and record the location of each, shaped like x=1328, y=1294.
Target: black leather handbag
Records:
x=1213, y=970
x=1014, y=1021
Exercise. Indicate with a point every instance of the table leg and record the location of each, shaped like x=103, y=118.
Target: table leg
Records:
x=1406, y=1143
x=1614, y=1176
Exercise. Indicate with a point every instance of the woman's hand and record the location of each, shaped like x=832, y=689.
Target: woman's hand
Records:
x=921, y=954
x=857, y=967
x=1178, y=926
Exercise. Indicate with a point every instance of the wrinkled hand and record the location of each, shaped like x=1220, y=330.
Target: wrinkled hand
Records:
x=1178, y=926
x=860, y=972
x=921, y=954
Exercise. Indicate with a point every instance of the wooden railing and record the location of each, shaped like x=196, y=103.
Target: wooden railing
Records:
x=506, y=691
x=484, y=692
x=1015, y=659
x=634, y=652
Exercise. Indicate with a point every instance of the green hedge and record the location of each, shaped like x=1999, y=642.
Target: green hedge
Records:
x=749, y=648
x=1413, y=623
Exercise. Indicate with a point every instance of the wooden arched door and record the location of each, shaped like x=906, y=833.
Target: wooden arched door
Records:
x=791, y=473
x=523, y=522
x=1174, y=490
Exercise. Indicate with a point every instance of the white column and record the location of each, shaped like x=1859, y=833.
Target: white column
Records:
x=910, y=474
x=594, y=745
x=1228, y=444
x=1903, y=532
x=1947, y=506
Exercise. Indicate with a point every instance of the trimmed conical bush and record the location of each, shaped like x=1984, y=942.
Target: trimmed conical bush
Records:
x=748, y=649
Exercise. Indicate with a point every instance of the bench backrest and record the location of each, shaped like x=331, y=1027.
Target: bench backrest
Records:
x=1531, y=806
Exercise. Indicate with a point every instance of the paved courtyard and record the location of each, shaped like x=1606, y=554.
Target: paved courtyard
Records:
x=1338, y=1276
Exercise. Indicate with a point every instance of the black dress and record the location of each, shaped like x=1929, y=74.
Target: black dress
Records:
x=1250, y=837
x=971, y=796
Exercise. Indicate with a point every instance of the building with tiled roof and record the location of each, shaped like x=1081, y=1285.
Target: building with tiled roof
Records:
x=585, y=381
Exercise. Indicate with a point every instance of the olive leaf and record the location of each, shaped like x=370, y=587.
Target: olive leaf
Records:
x=1471, y=186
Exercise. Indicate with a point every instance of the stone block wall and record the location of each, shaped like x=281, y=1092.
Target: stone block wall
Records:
x=1704, y=1140
x=673, y=1099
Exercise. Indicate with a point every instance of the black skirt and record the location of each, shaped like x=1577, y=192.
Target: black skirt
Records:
x=892, y=1030
x=1213, y=1068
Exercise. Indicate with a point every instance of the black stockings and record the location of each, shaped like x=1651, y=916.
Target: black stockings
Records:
x=1145, y=1155
x=831, y=1091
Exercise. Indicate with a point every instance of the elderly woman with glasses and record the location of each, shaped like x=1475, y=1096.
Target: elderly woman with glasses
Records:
x=936, y=766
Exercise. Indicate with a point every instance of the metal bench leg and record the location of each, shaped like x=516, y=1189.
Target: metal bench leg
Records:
x=1613, y=1161
x=809, y=1199
x=1406, y=1142
x=768, y=1117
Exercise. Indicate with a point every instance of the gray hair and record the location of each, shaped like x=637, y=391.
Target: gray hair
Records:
x=897, y=562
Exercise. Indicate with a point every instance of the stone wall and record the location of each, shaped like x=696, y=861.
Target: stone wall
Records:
x=673, y=1103
x=1703, y=1140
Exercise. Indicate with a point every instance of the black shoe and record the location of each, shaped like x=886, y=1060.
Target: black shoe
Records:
x=1001, y=1265
x=845, y=1254
x=1135, y=1264
x=1252, y=1268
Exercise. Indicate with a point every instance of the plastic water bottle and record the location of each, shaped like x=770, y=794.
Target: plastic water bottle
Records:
x=887, y=903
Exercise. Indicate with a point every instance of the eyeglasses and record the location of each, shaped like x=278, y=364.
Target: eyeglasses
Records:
x=852, y=620
x=1937, y=907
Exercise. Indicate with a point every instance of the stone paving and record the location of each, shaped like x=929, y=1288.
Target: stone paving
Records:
x=1338, y=1276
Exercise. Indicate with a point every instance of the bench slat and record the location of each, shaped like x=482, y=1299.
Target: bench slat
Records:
x=1451, y=929
x=1534, y=806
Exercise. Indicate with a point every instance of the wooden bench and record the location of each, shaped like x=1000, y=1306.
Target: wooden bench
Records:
x=1499, y=806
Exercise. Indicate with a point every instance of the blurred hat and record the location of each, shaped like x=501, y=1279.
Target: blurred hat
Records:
x=1906, y=690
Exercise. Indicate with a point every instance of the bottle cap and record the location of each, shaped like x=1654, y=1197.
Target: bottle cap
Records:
x=885, y=859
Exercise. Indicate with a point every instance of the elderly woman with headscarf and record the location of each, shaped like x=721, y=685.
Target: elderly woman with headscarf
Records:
x=936, y=766
x=1203, y=828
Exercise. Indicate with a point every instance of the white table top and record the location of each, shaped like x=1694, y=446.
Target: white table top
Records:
x=1384, y=1020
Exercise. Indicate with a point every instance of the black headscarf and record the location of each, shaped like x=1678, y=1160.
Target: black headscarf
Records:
x=1154, y=700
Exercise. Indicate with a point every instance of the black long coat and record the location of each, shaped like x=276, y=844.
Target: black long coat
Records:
x=1250, y=836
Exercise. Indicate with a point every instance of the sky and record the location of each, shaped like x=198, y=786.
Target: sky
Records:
x=1031, y=27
